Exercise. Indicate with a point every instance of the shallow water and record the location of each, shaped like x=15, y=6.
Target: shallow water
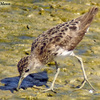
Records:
x=21, y=22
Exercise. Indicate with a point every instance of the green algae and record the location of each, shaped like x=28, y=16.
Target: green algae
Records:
x=23, y=21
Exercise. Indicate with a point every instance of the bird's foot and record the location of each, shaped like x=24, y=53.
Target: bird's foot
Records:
x=49, y=89
x=17, y=89
x=44, y=89
x=37, y=87
x=83, y=83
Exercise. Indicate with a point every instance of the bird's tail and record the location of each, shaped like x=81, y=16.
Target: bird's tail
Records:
x=87, y=17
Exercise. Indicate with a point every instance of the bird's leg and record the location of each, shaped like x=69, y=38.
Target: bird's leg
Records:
x=84, y=74
x=55, y=77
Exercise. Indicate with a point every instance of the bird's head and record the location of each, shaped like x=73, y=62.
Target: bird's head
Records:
x=25, y=67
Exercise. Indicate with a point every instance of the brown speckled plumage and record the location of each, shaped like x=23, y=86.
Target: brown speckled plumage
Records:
x=22, y=64
x=66, y=36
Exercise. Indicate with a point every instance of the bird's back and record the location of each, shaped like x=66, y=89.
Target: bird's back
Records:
x=64, y=36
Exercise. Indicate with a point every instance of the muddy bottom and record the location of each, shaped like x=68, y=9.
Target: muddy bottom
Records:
x=20, y=23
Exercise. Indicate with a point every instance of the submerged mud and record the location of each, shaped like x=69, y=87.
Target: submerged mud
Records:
x=20, y=23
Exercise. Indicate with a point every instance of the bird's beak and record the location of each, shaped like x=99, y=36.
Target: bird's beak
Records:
x=19, y=83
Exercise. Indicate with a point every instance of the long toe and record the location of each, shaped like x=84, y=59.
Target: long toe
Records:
x=82, y=84
x=49, y=89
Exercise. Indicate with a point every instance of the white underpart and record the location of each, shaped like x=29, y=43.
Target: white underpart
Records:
x=63, y=52
x=87, y=30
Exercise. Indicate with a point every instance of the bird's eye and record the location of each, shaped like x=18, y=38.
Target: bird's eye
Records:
x=27, y=70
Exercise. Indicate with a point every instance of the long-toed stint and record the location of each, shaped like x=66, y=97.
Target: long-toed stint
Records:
x=55, y=42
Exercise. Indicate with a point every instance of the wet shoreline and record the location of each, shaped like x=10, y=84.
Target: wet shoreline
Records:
x=22, y=22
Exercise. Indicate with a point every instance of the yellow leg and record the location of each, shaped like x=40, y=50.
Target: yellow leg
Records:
x=84, y=74
x=52, y=85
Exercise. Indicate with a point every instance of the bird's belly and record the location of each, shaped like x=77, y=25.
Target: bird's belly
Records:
x=63, y=52
x=66, y=53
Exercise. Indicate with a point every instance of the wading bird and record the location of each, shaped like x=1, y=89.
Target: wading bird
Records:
x=56, y=42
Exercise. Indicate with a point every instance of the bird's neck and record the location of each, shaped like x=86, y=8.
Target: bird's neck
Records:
x=34, y=62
